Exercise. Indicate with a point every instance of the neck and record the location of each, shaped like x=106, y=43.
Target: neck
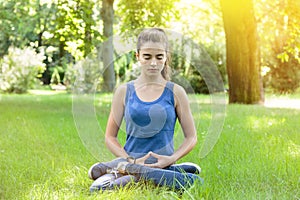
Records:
x=148, y=79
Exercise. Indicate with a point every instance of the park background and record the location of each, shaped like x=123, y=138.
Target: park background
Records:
x=47, y=46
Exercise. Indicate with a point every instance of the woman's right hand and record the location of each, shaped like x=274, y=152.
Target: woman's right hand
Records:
x=141, y=161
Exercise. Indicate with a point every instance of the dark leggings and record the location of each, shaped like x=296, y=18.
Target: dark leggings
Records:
x=176, y=177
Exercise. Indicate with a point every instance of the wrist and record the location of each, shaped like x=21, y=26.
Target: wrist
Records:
x=131, y=159
x=173, y=159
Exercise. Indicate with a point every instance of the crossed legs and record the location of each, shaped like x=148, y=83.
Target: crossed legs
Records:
x=177, y=176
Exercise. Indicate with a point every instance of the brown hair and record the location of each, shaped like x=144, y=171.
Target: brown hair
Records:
x=156, y=35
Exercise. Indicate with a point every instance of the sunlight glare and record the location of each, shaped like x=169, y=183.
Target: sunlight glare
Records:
x=293, y=149
x=283, y=103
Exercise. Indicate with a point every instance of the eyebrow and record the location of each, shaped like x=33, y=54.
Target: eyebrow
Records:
x=146, y=54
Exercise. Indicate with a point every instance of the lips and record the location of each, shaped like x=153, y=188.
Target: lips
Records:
x=153, y=70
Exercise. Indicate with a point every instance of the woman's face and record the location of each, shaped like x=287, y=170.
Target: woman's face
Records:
x=152, y=58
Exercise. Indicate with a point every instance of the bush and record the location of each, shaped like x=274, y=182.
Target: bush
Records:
x=19, y=69
x=84, y=76
x=199, y=70
x=283, y=77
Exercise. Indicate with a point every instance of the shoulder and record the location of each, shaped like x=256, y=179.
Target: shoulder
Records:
x=178, y=89
x=121, y=89
x=120, y=93
x=179, y=94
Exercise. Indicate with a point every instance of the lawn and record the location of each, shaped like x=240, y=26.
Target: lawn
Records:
x=43, y=157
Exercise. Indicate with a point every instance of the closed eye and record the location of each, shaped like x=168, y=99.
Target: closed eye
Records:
x=146, y=56
x=149, y=56
x=160, y=56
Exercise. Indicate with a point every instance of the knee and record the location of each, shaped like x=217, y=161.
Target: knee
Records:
x=96, y=171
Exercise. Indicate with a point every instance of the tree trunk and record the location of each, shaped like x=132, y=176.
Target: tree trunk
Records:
x=242, y=49
x=107, y=13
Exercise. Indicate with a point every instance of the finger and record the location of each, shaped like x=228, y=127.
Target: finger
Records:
x=155, y=155
x=142, y=159
x=149, y=153
x=154, y=165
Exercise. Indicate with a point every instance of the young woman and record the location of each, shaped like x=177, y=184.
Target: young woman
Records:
x=150, y=105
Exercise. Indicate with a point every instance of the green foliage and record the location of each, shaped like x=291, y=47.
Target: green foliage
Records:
x=279, y=29
x=208, y=35
x=84, y=76
x=17, y=24
x=135, y=15
x=72, y=28
x=75, y=27
x=193, y=64
x=56, y=75
x=68, y=27
x=19, y=69
x=126, y=68
x=284, y=77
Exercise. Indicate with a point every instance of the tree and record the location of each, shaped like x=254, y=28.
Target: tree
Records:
x=279, y=30
x=207, y=33
x=16, y=24
x=242, y=52
x=107, y=14
x=135, y=15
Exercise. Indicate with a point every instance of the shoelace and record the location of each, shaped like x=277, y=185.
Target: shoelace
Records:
x=115, y=172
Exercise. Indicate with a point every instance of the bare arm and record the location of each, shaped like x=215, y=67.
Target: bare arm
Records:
x=186, y=120
x=187, y=124
x=114, y=123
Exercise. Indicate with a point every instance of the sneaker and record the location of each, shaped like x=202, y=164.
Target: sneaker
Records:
x=97, y=170
x=102, y=168
x=122, y=181
x=188, y=167
x=103, y=182
x=111, y=181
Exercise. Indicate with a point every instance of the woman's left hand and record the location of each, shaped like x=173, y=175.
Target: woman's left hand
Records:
x=162, y=161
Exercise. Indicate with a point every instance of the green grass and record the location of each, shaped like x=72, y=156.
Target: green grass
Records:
x=42, y=156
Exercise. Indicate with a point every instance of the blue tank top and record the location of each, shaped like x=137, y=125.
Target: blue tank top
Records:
x=149, y=125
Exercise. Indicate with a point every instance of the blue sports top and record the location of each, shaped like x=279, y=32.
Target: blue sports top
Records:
x=149, y=125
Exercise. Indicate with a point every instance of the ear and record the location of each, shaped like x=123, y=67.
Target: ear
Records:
x=167, y=58
x=137, y=55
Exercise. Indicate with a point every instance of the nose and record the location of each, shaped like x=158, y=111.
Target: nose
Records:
x=153, y=62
